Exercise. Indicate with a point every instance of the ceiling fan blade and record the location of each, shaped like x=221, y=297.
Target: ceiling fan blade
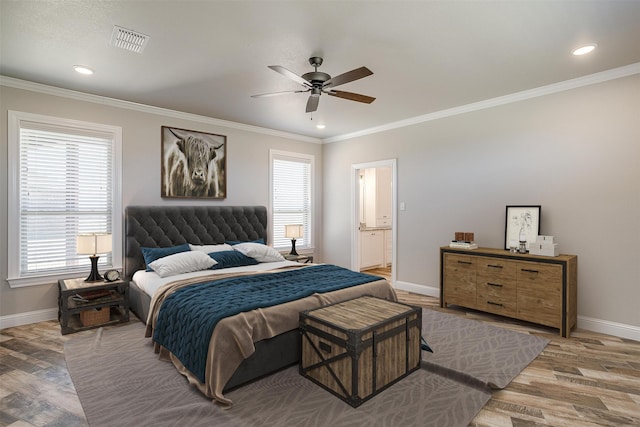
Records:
x=351, y=96
x=290, y=74
x=279, y=93
x=347, y=77
x=312, y=103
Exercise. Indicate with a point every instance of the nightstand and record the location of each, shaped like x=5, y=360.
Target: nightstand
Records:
x=303, y=259
x=86, y=305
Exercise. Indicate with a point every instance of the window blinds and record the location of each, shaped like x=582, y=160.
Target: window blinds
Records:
x=65, y=188
x=291, y=199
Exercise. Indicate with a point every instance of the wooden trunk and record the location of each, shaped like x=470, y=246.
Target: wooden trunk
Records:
x=357, y=348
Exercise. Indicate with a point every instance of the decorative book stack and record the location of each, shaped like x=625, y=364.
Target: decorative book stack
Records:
x=463, y=240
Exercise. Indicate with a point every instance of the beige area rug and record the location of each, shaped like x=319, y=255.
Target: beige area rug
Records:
x=120, y=381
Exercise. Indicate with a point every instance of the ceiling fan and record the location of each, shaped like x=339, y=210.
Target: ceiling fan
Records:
x=318, y=83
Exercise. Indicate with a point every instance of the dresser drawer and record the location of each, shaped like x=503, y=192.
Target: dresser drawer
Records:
x=495, y=268
x=503, y=289
x=494, y=282
x=460, y=277
x=460, y=263
x=497, y=298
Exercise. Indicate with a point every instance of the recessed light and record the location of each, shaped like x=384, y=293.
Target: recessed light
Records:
x=583, y=50
x=320, y=126
x=83, y=69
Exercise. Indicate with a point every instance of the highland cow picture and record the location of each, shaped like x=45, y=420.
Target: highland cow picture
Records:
x=193, y=164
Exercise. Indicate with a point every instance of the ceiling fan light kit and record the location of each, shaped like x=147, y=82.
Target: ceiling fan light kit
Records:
x=316, y=82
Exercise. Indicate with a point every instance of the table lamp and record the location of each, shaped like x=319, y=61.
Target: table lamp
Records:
x=93, y=244
x=293, y=231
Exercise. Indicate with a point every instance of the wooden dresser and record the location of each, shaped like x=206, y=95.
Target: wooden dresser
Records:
x=538, y=289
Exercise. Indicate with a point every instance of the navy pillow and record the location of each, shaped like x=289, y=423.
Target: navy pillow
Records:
x=228, y=259
x=236, y=242
x=152, y=254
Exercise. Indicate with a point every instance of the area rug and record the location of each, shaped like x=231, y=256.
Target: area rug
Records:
x=490, y=354
x=120, y=381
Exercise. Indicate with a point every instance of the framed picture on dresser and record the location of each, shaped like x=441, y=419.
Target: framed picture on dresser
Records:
x=522, y=223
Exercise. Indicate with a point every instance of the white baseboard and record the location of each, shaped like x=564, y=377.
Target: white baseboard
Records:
x=587, y=323
x=610, y=328
x=418, y=289
x=28, y=318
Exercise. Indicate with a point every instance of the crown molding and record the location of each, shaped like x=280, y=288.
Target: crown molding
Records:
x=591, y=79
x=118, y=103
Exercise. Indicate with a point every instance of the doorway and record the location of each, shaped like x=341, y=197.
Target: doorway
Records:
x=374, y=218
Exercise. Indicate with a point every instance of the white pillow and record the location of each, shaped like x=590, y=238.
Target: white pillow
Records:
x=183, y=262
x=207, y=249
x=261, y=253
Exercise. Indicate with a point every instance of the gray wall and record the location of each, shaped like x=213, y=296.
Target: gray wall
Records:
x=247, y=169
x=576, y=153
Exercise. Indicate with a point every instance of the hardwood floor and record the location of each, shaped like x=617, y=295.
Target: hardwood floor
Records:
x=587, y=380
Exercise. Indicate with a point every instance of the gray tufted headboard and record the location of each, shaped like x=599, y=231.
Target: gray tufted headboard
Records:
x=163, y=226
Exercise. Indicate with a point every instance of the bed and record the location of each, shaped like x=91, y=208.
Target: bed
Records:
x=274, y=344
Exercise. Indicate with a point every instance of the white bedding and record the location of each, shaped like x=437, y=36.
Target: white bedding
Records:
x=150, y=281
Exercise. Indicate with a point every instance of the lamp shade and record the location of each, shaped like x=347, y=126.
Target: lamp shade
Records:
x=93, y=243
x=293, y=231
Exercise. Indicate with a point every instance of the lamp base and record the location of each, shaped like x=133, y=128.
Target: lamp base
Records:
x=293, y=248
x=94, y=276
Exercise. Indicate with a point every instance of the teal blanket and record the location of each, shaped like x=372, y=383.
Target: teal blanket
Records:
x=187, y=317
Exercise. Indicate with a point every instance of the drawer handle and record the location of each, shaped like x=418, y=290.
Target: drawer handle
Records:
x=494, y=284
x=495, y=303
x=529, y=271
x=464, y=262
x=494, y=266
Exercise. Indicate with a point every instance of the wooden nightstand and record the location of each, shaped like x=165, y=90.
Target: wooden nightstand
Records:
x=303, y=259
x=75, y=315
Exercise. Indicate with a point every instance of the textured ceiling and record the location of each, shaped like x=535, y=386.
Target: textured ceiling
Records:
x=209, y=57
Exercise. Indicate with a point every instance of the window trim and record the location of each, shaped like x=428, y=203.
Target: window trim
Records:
x=15, y=119
x=273, y=154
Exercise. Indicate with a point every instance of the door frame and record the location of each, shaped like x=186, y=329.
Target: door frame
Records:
x=355, y=212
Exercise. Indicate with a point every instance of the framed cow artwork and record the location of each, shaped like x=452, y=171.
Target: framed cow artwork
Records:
x=194, y=164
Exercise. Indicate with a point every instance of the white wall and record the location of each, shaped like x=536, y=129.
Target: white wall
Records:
x=247, y=172
x=576, y=153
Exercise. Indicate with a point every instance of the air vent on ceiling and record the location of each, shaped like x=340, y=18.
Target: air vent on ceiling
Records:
x=128, y=39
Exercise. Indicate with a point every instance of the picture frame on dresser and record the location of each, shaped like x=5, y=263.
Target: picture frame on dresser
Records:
x=521, y=221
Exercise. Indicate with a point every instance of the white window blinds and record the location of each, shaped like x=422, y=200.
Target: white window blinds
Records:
x=291, y=197
x=65, y=187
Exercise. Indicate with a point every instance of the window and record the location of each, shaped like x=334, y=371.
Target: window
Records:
x=291, y=197
x=64, y=179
